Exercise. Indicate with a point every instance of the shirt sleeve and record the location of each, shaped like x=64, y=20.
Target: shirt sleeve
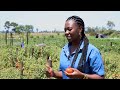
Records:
x=96, y=63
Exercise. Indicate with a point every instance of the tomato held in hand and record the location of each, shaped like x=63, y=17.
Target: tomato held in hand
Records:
x=69, y=70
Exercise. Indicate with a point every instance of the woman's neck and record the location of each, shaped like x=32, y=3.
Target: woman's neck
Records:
x=74, y=46
x=76, y=43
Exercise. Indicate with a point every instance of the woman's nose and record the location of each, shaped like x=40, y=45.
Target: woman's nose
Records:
x=67, y=32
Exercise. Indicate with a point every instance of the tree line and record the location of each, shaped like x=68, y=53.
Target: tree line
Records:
x=109, y=31
x=16, y=28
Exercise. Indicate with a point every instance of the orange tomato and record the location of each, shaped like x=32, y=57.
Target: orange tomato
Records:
x=69, y=70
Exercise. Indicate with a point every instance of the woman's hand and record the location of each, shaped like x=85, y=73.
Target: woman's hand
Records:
x=49, y=71
x=75, y=74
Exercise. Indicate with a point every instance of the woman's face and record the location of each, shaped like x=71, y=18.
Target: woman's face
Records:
x=72, y=31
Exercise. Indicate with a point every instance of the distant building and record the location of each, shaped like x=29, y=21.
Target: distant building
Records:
x=100, y=36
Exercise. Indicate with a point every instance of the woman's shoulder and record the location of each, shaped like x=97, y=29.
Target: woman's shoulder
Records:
x=92, y=47
x=65, y=46
x=93, y=51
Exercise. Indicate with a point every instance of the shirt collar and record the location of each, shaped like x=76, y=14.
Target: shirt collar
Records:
x=67, y=46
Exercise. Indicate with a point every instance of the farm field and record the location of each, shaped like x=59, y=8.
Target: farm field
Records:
x=28, y=61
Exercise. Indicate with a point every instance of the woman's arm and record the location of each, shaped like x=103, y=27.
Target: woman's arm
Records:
x=79, y=75
x=51, y=73
x=92, y=76
x=57, y=74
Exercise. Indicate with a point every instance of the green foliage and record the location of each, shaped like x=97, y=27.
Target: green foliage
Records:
x=34, y=57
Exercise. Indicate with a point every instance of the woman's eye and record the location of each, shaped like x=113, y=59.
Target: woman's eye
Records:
x=68, y=30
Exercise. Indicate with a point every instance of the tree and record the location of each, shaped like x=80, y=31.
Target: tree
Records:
x=91, y=31
x=14, y=26
x=19, y=29
x=7, y=25
x=37, y=29
x=110, y=25
x=28, y=28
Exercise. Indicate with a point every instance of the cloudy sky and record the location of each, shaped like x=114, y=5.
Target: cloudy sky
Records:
x=50, y=20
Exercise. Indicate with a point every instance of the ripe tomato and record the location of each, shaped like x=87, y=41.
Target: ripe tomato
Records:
x=69, y=70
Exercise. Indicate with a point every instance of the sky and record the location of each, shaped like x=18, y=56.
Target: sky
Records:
x=51, y=20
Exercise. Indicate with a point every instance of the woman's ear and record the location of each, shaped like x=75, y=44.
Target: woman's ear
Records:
x=80, y=31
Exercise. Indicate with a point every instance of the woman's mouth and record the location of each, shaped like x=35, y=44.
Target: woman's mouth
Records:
x=68, y=37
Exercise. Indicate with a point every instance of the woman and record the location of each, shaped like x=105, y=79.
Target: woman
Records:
x=84, y=58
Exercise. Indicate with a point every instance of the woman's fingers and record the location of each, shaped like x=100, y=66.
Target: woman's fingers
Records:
x=68, y=73
x=48, y=68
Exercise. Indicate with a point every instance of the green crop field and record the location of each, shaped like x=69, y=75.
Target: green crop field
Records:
x=28, y=62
